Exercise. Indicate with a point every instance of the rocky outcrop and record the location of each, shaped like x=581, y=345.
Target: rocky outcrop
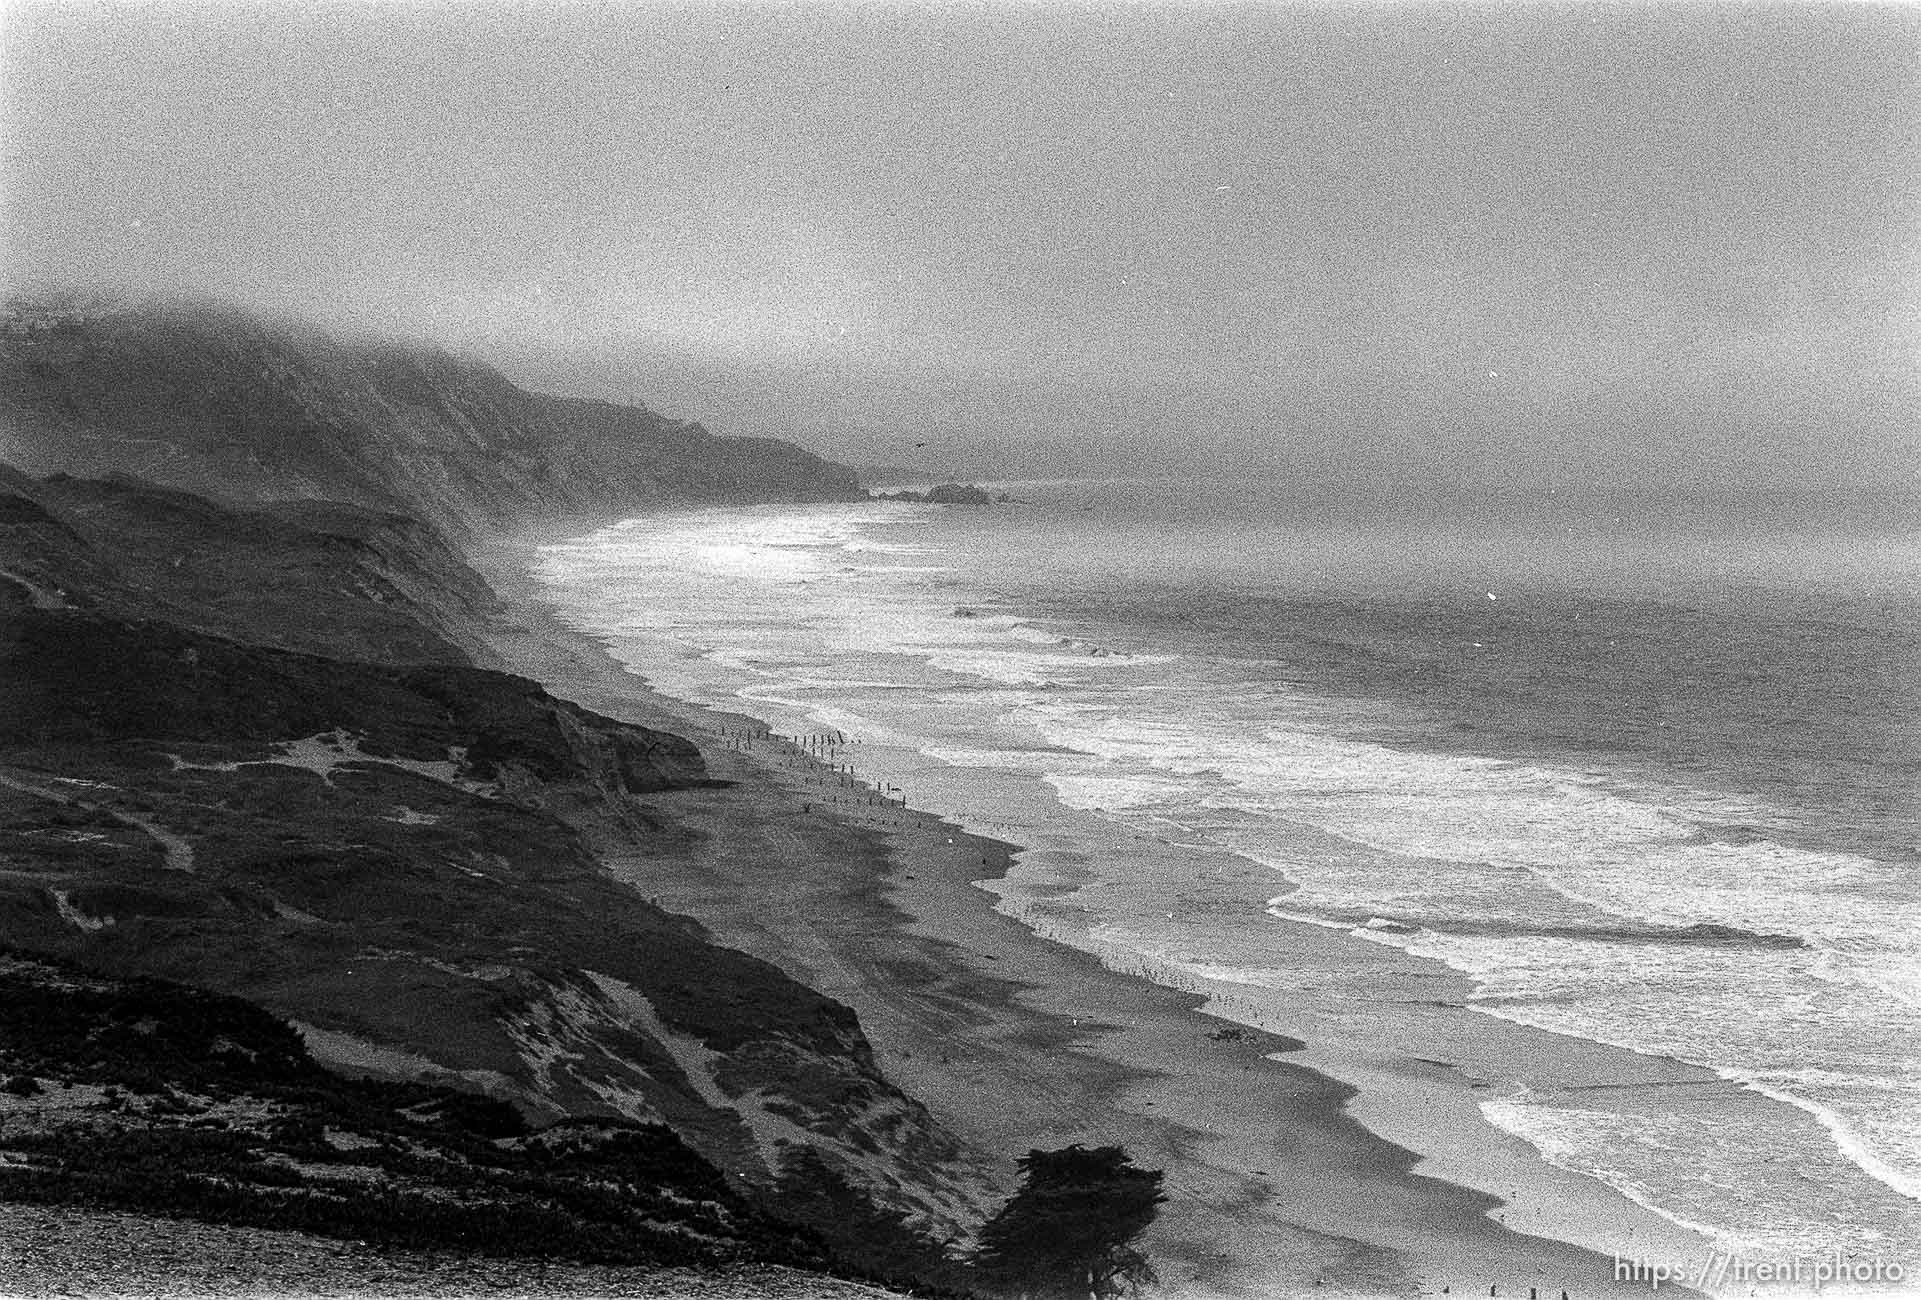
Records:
x=214, y=401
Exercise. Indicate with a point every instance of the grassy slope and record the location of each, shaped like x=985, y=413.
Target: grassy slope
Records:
x=141, y=1094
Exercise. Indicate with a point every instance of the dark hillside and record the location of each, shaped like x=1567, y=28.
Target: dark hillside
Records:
x=144, y=1095
x=382, y=842
x=322, y=576
x=211, y=400
x=250, y=743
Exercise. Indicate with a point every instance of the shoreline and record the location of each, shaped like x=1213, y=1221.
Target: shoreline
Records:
x=1014, y=1040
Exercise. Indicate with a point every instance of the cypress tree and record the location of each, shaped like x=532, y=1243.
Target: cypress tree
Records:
x=1069, y=1232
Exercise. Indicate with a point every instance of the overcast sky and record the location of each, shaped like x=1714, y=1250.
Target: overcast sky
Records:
x=1573, y=248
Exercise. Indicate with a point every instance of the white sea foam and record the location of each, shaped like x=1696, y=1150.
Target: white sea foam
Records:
x=1602, y=1145
x=1563, y=894
x=1808, y=1083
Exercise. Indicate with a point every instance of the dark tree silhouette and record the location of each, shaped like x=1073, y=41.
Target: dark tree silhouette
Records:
x=1069, y=1231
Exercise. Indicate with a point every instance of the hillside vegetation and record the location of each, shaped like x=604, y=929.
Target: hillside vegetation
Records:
x=302, y=928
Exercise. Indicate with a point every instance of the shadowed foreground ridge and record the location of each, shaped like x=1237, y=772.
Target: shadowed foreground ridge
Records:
x=141, y=1094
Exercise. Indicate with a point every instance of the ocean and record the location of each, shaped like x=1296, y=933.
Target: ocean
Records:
x=1606, y=839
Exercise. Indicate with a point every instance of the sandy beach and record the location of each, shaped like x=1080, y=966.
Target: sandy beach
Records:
x=1015, y=1042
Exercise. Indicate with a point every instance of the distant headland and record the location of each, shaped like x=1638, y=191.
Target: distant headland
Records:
x=947, y=494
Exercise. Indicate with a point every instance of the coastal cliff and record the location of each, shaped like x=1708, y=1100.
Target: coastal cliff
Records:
x=209, y=399
x=256, y=746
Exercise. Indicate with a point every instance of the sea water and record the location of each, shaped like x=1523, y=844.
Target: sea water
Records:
x=1654, y=791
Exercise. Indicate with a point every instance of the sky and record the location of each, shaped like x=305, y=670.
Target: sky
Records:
x=1370, y=252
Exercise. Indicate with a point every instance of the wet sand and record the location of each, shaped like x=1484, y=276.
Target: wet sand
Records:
x=1014, y=1042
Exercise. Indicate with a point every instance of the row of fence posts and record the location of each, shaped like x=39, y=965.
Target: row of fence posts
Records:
x=821, y=749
